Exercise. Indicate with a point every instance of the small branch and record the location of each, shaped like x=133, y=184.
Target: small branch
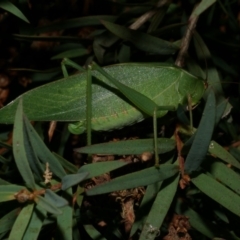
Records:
x=144, y=18
x=192, y=22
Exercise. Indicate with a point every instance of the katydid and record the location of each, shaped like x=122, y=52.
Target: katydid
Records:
x=122, y=95
x=65, y=100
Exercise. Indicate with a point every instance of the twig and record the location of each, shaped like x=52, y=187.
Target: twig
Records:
x=180, y=61
x=144, y=18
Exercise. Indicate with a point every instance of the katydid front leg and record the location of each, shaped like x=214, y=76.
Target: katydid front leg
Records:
x=88, y=96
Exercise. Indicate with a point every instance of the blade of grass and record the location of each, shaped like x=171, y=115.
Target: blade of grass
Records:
x=8, y=6
x=218, y=192
x=19, y=150
x=35, y=223
x=137, y=146
x=136, y=179
x=159, y=209
x=203, y=136
x=21, y=222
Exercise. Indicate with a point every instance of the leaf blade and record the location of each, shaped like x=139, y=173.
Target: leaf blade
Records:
x=136, y=179
x=19, y=150
x=203, y=136
x=8, y=6
x=217, y=192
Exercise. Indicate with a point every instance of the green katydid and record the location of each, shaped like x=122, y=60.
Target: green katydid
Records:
x=166, y=85
x=122, y=95
x=65, y=100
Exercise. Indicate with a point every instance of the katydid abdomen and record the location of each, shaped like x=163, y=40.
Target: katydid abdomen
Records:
x=65, y=100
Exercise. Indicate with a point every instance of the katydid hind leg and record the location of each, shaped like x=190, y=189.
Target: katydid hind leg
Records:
x=78, y=127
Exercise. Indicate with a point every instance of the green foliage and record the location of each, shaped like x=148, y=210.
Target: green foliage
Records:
x=128, y=77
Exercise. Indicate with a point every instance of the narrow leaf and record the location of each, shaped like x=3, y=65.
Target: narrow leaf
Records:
x=7, y=221
x=202, y=6
x=220, y=110
x=136, y=179
x=198, y=222
x=141, y=40
x=47, y=205
x=7, y=192
x=19, y=148
x=145, y=206
x=202, y=137
x=75, y=23
x=35, y=224
x=136, y=146
x=34, y=162
x=68, y=166
x=73, y=179
x=65, y=220
x=225, y=175
x=3, y=159
x=8, y=6
x=218, y=192
x=159, y=210
x=96, y=169
x=55, y=199
x=21, y=223
x=43, y=152
x=71, y=53
x=93, y=232
x=217, y=150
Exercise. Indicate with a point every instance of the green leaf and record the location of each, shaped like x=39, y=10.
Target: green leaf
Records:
x=21, y=223
x=68, y=166
x=65, y=220
x=73, y=179
x=5, y=145
x=4, y=182
x=214, y=81
x=203, y=136
x=33, y=160
x=43, y=152
x=225, y=175
x=136, y=146
x=98, y=168
x=145, y=206
x=7, y=192
x=8, y=6
x=220, y=152
x=71, y=53
x=220, y=110
x=7, y=221
x=35, y=224
x=202, y=6
x=55, y=199
x=198, y=222
x=141, y=40
x=47, y=205
x=136, y=179
x=19, y=149
x=218, y=192
x=93, y=232
x=159, y=210
x=235, y=153
x=75, y=23
x=3, y=159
